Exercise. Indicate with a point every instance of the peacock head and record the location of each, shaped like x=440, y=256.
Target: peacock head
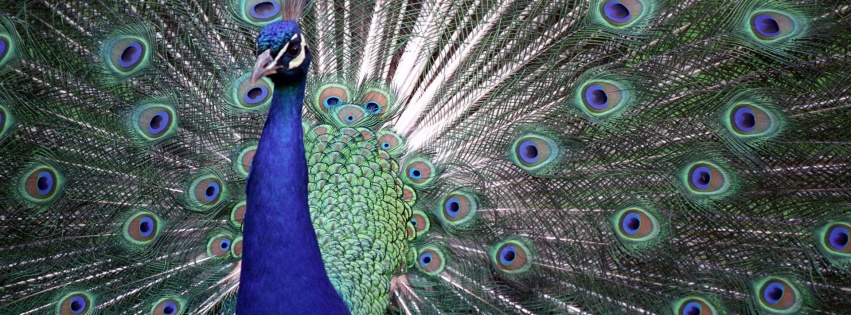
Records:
x=282, y=53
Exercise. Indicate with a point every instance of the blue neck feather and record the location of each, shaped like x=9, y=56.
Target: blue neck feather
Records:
x=282, y=269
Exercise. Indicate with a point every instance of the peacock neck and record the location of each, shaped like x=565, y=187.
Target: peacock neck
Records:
x=282, y=268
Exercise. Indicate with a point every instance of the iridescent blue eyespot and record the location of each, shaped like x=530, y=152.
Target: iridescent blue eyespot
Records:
x=41, y=184
x=694, y=305
x=512, y=256
x=419, y=172
x=431, y=260
x=4, y=48
x=533, y=152
x=507, y=255
x=453, y=207
x=636, y=225
x=45, y=183
x=130, y=55
x=773, y=25
x=168, y=306
x=260, y=12
x=415, y=173
x=773, y=292
x=390, y=141
x=77, y=303
x=600, y=98
x=631, y=223
x=142, y=228
x=420, y=222
x=596, y=96
x=219, y=245
x=750, y=121
x=701, y=176
x=778, y=294
x=127, y=55
x=146, y=226
x=159, y=122
x=212, y=191
x=250, y=96
x=528, y=151
x=376, y=101
x=838, y=238
x=206, y=191
x=256, y=95
x=745, y=119
x=330, y=96
x=622, y=13
x=425, y=259
x=154, y=121
x=372, y=107
x=706, y=179
x=692, y=308
x=766, y=25
x=265, y=10
x=332, y=101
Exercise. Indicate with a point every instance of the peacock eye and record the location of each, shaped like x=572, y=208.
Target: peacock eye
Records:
x=294, y=49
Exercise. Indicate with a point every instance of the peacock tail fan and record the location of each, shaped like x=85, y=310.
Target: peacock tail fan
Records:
x=477, y=157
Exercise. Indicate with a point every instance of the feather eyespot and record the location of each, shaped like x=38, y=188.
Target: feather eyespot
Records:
x=748, y=120
x=418, y=172
x=5, y=121
x=636, y=224
x=778, y=294
x=389, y=141
x=420, y=222
x=237, y=214
x=261, y=12
x=376, y=101
x=127, y=55
x=837, y=238
x=694, y=306
x=142, y=228
x=601, y=98
x=431, y=260
x=219, y=245
x=704, y=178
x=155, y=121
x=168, y=306
x=242, y=162
x=458, y=208
x=834, y=241
x=772, y=25
x=533, y=152
x=41, y=184
x=350, y=115
x=206, y=192
x=5, y=48
x=511, y=256
x=622, y=13
x=236, y=248
x=331, y=96
x=251, y=96
x=76, y=303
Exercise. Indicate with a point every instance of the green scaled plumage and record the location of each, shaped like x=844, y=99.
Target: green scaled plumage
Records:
x=474, y=157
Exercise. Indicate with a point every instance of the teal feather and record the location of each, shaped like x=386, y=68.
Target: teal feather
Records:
x=478, y=157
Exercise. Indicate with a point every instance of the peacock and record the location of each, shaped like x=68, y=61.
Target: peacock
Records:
x=425, y=157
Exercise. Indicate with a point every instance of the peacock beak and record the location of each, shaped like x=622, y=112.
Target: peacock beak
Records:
x=265, y=65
